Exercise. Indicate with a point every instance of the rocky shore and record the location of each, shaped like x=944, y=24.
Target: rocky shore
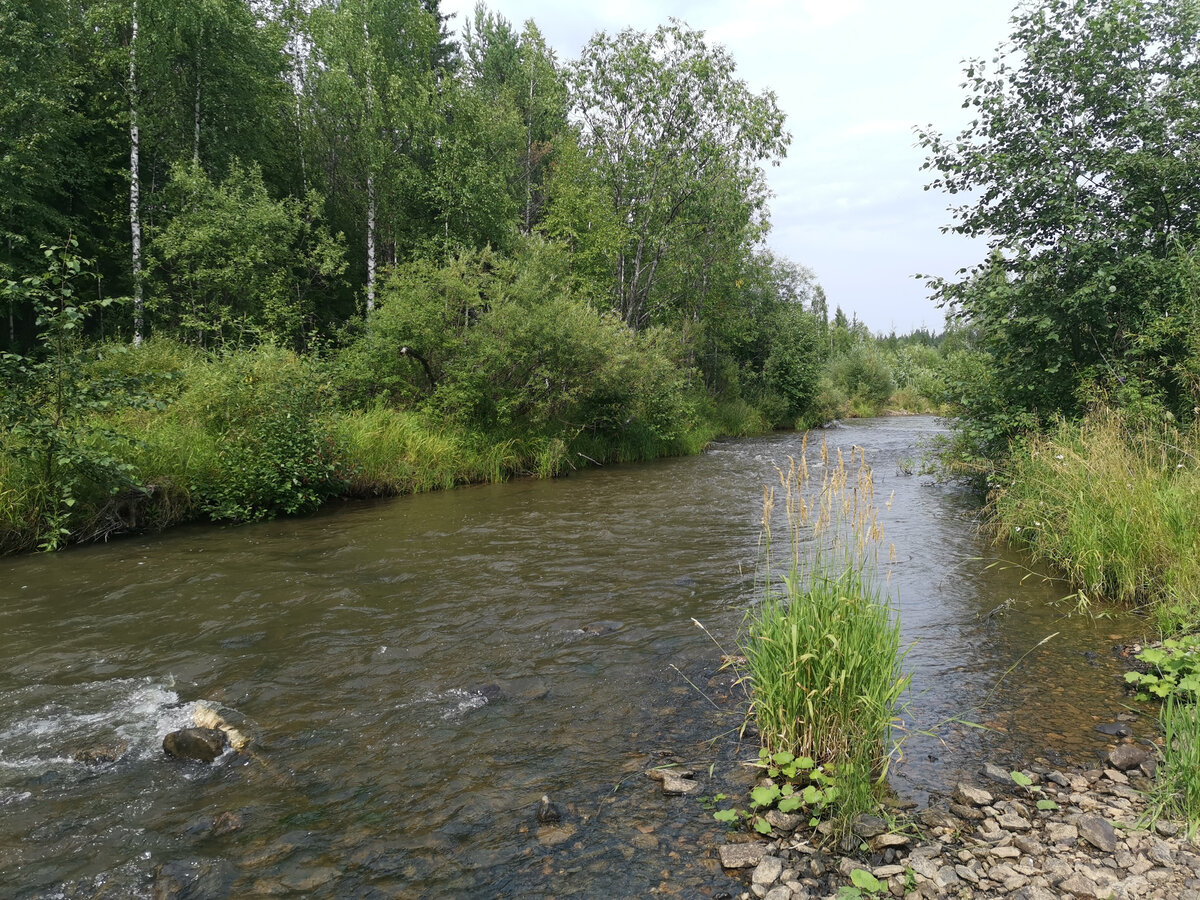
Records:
x=1064, y=834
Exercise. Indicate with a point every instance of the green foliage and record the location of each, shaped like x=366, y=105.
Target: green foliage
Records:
x=232, y=265
x=1176, y=793
x=1110, y=502
x=791, y=367
x=264, y=412
x=1175, y=672
x=507, y=348
x=793, y=784
x=822, y=649
x=677, y=142
x=53, y=428
x=863, y=883
x=1075, y=171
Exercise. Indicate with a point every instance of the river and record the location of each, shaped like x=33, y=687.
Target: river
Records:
x=417, y=672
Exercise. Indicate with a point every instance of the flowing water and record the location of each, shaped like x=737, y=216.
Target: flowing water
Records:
x=416, y=673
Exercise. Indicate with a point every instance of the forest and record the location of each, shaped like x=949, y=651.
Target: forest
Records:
x=259, y=254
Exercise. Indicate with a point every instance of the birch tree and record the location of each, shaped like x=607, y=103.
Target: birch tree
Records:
x=669, y=126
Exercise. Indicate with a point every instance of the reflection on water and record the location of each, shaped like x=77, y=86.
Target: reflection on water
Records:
x=418, y=672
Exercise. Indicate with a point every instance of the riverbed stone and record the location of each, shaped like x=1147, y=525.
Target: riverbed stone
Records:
x=784, y=822
x=192, y=878
x=675, y=784
x=971, y=796
x=866, y=826
x=939, y=818
x=767, y=871
x=553, y=835
x=1127, y=756
x=1098, y=832
x=993, y=772
x=1061, y=833
x=741, y=856
x=102, y=753
x=195, y=744
x=946, y=877
x=1079, y=886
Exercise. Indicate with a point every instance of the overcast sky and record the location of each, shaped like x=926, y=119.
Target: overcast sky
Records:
x=854, y=77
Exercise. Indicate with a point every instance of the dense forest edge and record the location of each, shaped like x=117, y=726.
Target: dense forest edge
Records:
x=255, y=256
x=259, y=256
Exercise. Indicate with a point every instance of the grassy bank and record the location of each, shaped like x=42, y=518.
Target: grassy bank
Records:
x=181, y=434
x=1113, y=504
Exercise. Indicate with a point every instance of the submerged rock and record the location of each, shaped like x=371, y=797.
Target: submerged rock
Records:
x=95, y=756
x=547, y=811
x=198, y=744
x=194, y=878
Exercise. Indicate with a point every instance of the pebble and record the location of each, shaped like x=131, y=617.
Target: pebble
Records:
x=1007, y=850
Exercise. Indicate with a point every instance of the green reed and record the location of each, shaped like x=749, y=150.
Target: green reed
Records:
x=823, y=645
x=1112, y=505
x=1176, y=793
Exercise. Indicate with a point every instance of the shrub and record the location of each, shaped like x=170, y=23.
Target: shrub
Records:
x=264, y=410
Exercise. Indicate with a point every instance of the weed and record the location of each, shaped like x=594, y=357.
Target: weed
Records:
x=1176, y=671
x=1176, y=791
x=1111, y=504
x=823, y=646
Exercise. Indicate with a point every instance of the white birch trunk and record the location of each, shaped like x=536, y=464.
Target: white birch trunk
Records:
x=135, y=188
x=370, y=177
x=196, y=117
x=370, y=241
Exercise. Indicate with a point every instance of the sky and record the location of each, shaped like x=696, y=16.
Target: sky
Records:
x=854, y=78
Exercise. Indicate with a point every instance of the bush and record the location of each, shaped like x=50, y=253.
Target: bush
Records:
x=263, y=414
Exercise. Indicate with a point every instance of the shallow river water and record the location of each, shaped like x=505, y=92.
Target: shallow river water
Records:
x=417, y=672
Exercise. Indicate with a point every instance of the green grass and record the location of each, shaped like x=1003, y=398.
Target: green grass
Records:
x=823, y=646
x=1115, y=507
x=1176, y=793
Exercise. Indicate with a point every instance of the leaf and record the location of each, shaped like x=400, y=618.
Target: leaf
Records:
x=1047, y=804
x=782, y=758
x=865, y=880
x=764, y=795
x=1021, y=779
x=790, y=804
x=726, y=815
x=761, y=825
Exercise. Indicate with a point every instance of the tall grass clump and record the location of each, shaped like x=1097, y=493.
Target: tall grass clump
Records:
x=823, y=646
x=1176, y=793
x=1112, y=503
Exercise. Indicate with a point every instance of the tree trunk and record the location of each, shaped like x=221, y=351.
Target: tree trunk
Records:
x=196, y=116
x=135, y=187
x=370, y=241
x=370, y=177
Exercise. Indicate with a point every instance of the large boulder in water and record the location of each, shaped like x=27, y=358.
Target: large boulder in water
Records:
x=199, y=744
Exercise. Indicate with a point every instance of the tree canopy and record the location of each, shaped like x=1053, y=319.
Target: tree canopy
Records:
x=1081, y=168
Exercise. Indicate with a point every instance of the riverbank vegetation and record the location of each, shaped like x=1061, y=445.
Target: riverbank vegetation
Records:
x=429, y=261
x=1078, y=410
x=822, y=647
x=257, y=256
x=1079, y=391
